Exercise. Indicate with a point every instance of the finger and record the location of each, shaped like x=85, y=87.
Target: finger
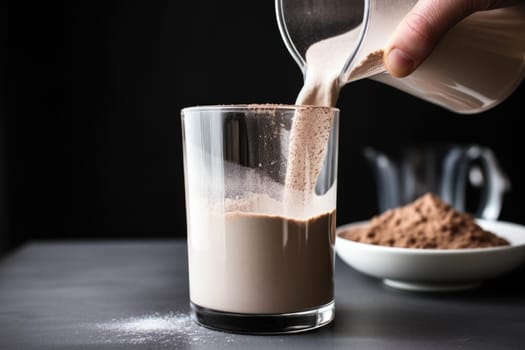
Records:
x=420, y=30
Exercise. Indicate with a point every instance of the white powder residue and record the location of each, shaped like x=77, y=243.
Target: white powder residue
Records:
x=171, y=330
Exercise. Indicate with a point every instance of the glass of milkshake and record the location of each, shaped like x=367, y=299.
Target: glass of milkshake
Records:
x=260, y=184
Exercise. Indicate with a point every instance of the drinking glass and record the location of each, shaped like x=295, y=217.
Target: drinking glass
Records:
x=259, y=262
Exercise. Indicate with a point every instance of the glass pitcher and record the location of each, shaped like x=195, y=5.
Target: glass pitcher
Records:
x=477, y=65
x=451, y=171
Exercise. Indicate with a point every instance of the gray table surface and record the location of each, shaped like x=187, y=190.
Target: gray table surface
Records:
x=134, y=295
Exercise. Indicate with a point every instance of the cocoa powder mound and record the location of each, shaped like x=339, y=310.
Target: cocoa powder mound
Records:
x=427, y=223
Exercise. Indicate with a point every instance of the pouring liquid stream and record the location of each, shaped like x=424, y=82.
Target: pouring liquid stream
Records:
x=310, y=130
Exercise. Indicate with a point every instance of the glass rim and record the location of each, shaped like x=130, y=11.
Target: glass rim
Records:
x=268, y=106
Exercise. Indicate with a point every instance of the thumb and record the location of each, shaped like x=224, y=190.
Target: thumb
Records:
x=420, y=30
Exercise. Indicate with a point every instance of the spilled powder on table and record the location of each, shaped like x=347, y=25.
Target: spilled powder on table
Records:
x=170, y=330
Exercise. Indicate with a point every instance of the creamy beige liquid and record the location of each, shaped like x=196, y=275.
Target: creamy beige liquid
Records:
x=256, y=263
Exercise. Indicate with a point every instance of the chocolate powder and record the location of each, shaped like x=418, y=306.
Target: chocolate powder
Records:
x=427, y=223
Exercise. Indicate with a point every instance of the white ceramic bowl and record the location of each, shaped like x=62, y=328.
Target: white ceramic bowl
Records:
x=435, y=269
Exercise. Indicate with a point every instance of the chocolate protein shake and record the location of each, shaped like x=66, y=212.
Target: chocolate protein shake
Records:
x=264, y=264
x=266, y=247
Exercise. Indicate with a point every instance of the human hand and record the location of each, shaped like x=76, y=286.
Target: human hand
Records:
x=422, y=28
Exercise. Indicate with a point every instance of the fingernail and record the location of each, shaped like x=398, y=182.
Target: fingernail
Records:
x=399, y=63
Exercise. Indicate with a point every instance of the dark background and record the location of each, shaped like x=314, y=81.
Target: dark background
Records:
x=90, y=103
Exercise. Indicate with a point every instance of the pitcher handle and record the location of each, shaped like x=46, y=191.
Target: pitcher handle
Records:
x=494, y=188
x=386, y=177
